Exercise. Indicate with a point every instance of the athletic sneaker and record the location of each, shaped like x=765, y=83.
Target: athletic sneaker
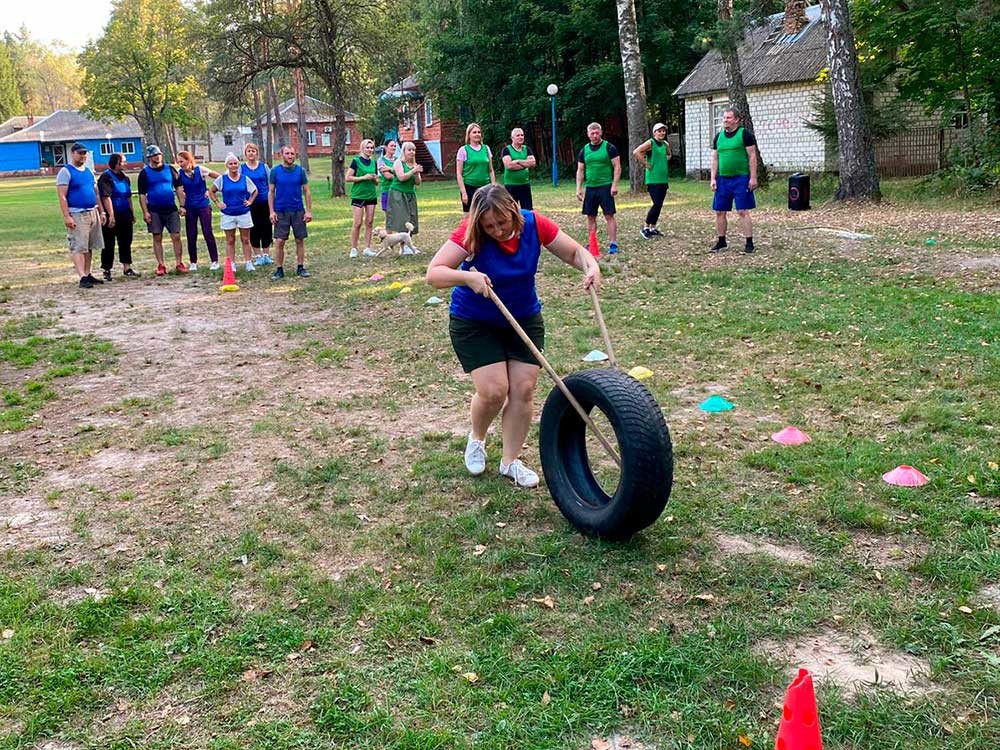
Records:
x=258, y=260
x=369, y=253
x=86, y=283
x=521, y=474
x=612, y=250
x=107, y=275
x=719, y=247
x=408, y=251
x=94, y=280
x=267, y=260
x=748, y=248
x=279, y=274
x=193, y=267
x=475, y=456
x=215, y=266
x=249, y=266
x=353, y=253
x=647, y=233
x=161, y=270
x=655, y=232
x=301, y=271
x=131, y=273
x=181, y=268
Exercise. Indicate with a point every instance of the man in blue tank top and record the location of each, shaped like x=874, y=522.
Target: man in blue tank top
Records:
x=83, y=213
x=289, y=214
x=157, y=184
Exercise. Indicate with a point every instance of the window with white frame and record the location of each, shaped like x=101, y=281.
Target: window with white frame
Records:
x=107, y=149
x=326, y=139
x=128, y=147
x=311, y=137
x=347, y=136
x=428, y=112
x=718, y=108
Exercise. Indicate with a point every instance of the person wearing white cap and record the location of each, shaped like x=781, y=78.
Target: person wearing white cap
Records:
x=654, y=155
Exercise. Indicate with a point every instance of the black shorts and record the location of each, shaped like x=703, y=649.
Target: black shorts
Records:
x=470, y=190
x=598, y=196
x=479, y=344
x=522, y=194
x=362, y=202
x=291, y=221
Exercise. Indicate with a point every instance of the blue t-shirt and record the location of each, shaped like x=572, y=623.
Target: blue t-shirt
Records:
x=81, y=191
x=513, y=277
x=234, y=193
x=259, y=177
x=195, y=189
x=288, y=187
x=158, y=187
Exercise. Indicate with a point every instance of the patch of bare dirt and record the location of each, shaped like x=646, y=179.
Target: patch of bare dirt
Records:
x=991, y=596
x=618, y=742
x=888, y=552
x=852, y=662
x=28, y=521
x=738, y=545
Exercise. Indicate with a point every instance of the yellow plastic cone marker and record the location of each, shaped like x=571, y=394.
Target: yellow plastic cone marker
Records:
x=395, y=285
x=640, y=373
x=405, y=290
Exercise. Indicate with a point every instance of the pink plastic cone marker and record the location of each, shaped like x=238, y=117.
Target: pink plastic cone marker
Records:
x=905, y=476
x=376, y=277
x=791, y=436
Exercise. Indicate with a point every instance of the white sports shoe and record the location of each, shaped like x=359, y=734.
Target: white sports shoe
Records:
x=214, y=267
x=407, y=250
x=193, y=267
x=353, y=253
x=521, y=474
x=369, y=253
x=249, y=266
x=475, y=456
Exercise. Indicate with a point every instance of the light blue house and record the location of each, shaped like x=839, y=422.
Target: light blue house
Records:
x=42, y=145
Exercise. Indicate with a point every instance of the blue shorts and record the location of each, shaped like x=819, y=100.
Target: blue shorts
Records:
x=735, y=188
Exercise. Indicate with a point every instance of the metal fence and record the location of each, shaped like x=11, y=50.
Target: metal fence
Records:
x=915, y=152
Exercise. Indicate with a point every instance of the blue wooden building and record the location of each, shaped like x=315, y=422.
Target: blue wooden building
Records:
x=42, y=145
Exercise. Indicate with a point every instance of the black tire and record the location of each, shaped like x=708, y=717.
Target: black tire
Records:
x=647, y=469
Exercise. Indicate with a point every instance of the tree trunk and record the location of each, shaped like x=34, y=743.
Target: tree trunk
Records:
x=279, y=136
x=858, y=175
x=260, y=122
x=635, y=87
x=736, y=90
x=300, y=112
x=337, y=157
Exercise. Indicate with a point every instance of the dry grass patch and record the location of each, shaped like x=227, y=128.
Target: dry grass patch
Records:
x=737, y=545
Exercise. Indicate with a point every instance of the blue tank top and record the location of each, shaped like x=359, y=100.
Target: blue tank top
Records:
x=513, y=277
x=159, y=187
x=234, y=192
x=81, y=193
x=259, y=177
x=288, y=187
x=194, y=189
x=121, y=198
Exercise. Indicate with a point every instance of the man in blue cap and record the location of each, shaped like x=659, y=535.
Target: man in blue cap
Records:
x=157, y=184
x=82, y=213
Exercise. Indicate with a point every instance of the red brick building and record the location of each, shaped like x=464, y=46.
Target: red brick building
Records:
x=437, y=140
x=320, y=124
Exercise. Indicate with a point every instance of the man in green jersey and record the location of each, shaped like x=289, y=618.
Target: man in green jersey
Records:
x=734, y=178
x=517, y=160
x=599, y=167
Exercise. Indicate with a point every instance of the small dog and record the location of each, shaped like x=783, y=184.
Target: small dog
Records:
x=402, y=239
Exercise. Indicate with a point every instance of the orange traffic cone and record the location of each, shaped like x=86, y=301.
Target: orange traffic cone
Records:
x=592, y=247
x=799, y=729
x=229, y=277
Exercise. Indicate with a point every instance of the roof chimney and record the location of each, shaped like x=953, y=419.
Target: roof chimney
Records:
x=31, y=120
x=795, y=16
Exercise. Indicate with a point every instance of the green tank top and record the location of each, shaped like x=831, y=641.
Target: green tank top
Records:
x=476, y=170
x=367, y=190
x=385, y=163
x=657, y=173
x=517, y=176
x=733, y=158
x=404, y=187
x=597, y=170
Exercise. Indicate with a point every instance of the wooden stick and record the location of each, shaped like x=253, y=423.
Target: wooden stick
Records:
x=604, y=328
x=555, y=376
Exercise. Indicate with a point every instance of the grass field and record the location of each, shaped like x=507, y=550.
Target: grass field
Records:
x=242, y=521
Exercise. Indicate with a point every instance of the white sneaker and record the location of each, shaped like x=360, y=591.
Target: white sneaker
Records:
x=521, y=474
x=353, y=253
x=369, y=253
x=193, y=267
x=407, y=250
x=475, y=456
x=249, y=266
x=214, y=267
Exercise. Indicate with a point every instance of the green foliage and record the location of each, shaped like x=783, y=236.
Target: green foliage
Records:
x=47, y=75
x=10, y=97
x=883, y=120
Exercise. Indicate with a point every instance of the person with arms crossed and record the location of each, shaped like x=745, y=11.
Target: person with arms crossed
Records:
x=83, y=213
x=238, y=192
x=120, y=227
x=289, y=182
x=734, y=178
x=517, y=160
x=654, y=155
x=385, y=173
x=403, y=194
x=157, y=184
x=599, y=167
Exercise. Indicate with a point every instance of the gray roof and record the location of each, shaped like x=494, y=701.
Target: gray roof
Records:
x=15, y=123
x=316, y=111
x=408, y=86
x=70, y=125
x=767, y=56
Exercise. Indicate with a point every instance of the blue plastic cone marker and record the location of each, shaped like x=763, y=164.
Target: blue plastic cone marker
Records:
x=715, y=404
x=596, y=355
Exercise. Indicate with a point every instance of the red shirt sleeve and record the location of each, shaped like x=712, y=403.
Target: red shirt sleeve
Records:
x=458, y=236
x=547, y=229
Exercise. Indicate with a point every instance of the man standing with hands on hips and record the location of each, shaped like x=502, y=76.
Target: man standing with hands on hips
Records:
x=82, y=213
x=734, y=178
x=599, y=167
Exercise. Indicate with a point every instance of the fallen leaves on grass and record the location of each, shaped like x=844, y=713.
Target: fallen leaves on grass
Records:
x=546, y=698
x=546, y=601
x=479, y=550
x=470, y=677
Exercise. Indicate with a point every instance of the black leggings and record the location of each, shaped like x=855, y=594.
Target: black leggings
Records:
x=658, y=193
x=122, y=232
x=262, y=232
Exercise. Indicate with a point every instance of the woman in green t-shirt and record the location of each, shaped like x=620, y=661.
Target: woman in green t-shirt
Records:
x=654, y=155
x=473, y=165
x=402, y=191
x=363, y=178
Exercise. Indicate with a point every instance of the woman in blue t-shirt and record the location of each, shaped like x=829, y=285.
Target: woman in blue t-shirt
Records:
x=238, y=192
x=262, y=232
x=197, y=208
x=498, y=246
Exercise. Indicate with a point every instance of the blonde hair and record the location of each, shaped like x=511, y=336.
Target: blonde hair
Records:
x=254, y=146
x=490, y=198
x=402, y=149
x=367, y=140
x=595, y=126
x=468, y=130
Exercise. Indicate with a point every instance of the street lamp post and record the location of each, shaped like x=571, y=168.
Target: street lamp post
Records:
x=552, y=90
